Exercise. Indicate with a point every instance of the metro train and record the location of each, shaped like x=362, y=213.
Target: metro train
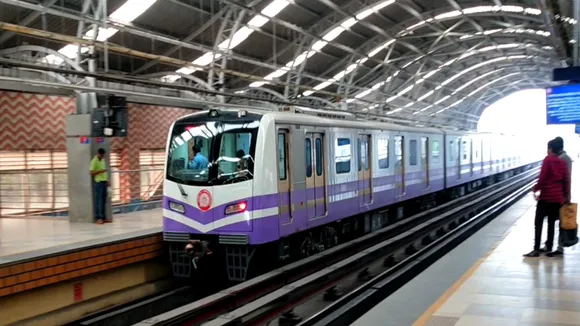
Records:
x=280, y=186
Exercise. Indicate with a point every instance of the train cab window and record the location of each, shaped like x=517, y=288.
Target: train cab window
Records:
x=383, y=153
x=413, y=152
x=342, y=155
x=282, y=156
x=229, y=146
x=435, y=151
x=308, y=156
x=318, y=148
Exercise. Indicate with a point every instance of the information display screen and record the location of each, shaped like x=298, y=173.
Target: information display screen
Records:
x=563, y=104
x=578, y=129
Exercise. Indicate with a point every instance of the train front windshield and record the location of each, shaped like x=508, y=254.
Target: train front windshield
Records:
x=212, y=152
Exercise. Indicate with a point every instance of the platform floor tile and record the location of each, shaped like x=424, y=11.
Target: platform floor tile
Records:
x=22, y=238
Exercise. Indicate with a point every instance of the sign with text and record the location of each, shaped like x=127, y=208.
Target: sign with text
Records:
x=563, y=104
x=84, y=140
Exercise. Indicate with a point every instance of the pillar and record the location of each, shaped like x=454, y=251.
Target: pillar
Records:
x=81, y=148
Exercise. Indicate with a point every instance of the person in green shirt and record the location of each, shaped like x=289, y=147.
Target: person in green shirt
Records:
x=101, y=182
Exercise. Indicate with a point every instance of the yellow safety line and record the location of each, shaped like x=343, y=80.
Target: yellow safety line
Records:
x=450, y=291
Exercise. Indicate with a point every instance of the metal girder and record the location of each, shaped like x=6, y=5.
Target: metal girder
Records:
x=449, y=89
x=378, y=39
x=523, y=83
x=130, y=28
x=193, y=34
x=474, y=115
x=474, y=82
x=26, y=20
x=11, y=52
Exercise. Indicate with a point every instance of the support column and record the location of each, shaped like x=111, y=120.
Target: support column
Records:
x=81, y=148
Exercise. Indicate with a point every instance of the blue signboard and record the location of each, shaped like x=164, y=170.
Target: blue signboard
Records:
x=563, y=104
x=578, y=129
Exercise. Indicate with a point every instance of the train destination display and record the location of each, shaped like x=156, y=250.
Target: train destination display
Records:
x=563, y=104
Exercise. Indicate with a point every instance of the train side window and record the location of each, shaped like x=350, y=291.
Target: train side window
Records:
x=308, y=155
x=435, y=151
x=318, y=148
x=342, y=155
x=383, y=152
x=282, y=156
x=424, y=144
x=399, y=148
x=464, y=150
x=451, y=157
x=413, y=152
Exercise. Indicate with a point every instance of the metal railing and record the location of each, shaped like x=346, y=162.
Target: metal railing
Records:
x=45, y=192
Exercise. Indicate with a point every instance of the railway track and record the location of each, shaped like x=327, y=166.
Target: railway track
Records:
x=310, y=287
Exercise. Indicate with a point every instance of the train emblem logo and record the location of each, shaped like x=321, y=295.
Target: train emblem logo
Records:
x=204, y=200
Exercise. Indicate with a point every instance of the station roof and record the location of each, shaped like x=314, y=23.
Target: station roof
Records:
x=425, y=62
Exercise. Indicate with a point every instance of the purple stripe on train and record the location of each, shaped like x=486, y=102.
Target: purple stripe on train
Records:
x=269, y=231
x=272, y=200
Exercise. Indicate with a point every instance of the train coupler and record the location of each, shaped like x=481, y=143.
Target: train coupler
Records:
x=197, y=249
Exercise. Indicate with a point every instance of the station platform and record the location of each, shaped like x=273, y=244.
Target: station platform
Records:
x=487, y=281
x=39, y=252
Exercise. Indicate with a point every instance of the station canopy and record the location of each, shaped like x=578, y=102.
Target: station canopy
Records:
x=436, y=62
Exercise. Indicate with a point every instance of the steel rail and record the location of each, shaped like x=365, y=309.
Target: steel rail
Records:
x=276, y=303
x=352, y=306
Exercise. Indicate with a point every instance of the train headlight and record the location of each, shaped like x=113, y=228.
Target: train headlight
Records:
x=213, y=113
x=237, y=208
x=176, y=207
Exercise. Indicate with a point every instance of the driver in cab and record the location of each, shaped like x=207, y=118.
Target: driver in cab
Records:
x=198, y=162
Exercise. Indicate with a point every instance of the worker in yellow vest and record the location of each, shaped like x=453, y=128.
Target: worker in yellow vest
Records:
x=101, y=182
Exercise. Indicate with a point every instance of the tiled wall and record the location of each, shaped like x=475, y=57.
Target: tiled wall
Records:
x=37, y=122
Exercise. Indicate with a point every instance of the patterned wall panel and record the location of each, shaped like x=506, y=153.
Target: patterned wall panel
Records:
x=33, y=121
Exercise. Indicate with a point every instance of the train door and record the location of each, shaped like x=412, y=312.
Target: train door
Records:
x=400, y=166
x=284, y=193
x=364, y=170
x=310, y=182
x=319, y=175
x=458, y=157
x=425, y=160
x=471, y=156
x=482, y=163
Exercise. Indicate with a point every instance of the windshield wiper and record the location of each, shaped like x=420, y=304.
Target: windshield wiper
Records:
x=183, y=193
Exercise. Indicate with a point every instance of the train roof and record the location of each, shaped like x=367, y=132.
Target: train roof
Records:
x=348, y=120
x=307, y=119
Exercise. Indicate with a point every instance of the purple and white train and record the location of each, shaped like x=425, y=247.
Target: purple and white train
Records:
x=264, y=187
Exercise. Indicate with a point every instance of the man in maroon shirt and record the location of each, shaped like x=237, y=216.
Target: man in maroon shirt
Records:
x=554, y=188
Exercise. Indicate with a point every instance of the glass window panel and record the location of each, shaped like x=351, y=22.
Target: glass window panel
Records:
x=342, y=155
x=282, y=156
x=318, y=156
x=308, y=156
x=413, y=152
x=383, y=153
